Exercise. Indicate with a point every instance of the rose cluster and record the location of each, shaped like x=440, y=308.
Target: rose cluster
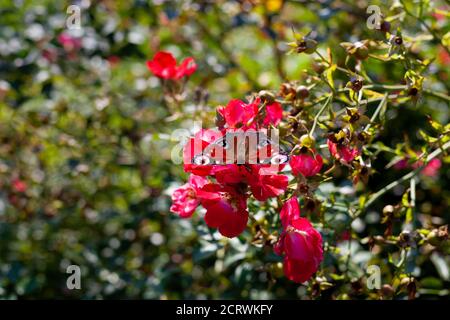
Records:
x=224, y=188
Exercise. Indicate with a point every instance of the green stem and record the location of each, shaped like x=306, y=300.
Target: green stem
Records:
x=440, y=95
x=377, y=111
x=316, y=118
x=406, y=177
x=426, y=26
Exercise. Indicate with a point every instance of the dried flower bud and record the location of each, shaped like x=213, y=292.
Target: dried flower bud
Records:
x=406, y=239
x=413, y=91
x=437, y=236
x=358, y=49
x=302, y=92
x=385, y=26
x=287, y=91
x=353, y=114
x=306, y=45
x=412, y=290
x=355, y=84
x=266, y=96
x=220, y=120
x=363, y=136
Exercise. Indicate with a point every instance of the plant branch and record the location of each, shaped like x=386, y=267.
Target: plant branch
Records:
x=426, y=26
x=406, y=177
x=316, y=118
x=377, y=111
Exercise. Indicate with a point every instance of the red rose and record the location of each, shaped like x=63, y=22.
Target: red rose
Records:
x=238, y=114
x=262, y=186
x=342, y=153
x=19, y=185
x=226, y=209
x=300, y=243
x=163, y=65
x=306, y=164
x=268, y=186
x=184, y=199
x=274, y=114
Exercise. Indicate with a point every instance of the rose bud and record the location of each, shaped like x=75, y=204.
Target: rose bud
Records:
x=266, y=96
x=307, y=140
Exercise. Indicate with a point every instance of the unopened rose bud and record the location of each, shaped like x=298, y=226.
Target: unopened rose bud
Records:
x=307, y=140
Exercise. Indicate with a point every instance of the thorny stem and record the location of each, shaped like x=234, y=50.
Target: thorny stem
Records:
x=406, y=177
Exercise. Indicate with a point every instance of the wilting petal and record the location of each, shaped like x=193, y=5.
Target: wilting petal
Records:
x=184, y=201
